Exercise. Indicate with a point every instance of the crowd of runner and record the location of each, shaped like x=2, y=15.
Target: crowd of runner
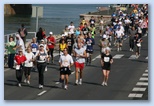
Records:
x=76, y=45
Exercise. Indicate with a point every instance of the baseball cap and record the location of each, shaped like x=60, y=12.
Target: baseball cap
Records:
x=50, y=33
x=107, y=48
x=63, y=35
x=42, y=40
x=41, y=45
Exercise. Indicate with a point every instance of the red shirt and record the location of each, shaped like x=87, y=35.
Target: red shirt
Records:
x=51, y=45
x=20, y=59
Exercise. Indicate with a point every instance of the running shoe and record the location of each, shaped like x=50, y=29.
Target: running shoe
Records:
x=65, y=87
x=25, y=80
x=46, y=68
x=19, y=85
x=103, y=83
x=40, y=86
x=28, y=82
x=80, y=82
x=76, y=83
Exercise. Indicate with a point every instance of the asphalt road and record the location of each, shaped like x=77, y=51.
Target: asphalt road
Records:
x=128, y=80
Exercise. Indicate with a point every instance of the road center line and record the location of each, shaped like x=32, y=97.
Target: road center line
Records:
x=42, y=93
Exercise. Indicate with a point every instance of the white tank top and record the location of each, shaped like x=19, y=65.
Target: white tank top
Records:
x=80, y=52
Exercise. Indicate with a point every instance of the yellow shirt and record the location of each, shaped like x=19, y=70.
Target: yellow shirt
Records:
x=62, y=46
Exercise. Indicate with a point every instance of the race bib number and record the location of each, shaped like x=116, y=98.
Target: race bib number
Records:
x=69, y=43
x=89, y=44
x=49, y=44
x=34, y=50
x=106, y=59
x=17, y=67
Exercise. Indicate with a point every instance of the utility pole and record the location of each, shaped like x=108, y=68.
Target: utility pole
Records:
x=36, y=18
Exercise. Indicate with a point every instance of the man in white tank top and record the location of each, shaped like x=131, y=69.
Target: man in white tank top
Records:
x=80, y=55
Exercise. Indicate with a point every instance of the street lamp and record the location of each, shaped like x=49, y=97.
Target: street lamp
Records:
x=108, y=9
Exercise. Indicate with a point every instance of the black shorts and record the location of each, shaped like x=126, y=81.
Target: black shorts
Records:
x=119, y=40
x=27, y=70
x=106, y=67
x=65, y=70
x=90, y=52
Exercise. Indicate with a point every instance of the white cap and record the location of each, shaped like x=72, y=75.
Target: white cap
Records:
x=50, y=33
x=41, y=45
x=120, y=23
x=63, y=35
x=42, y=40
x=104, y=36
x=107, y=48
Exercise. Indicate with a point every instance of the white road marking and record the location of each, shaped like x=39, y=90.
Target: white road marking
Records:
x=7, y=69
x=145, y=74
x=57, y=83
x=139, y=89
x=143, y=79
x=146, y=57
x=93, y=59
x=133, y=95
x=132, y=57
x=118, y=56
x=142, y=83
x=55, y=54
x=97, y=57
x=42, y=93
x=73, y=72
x=146, y=71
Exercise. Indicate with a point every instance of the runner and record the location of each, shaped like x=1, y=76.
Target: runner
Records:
x=71, y=27
x=70, y=42
x=23, y=32
x=93, y=30
x=103, y=43
x=62, y=46
x=39, y=35
x=10, y=46
x=41, y=57
x=85, y=29
x=106, y=61
x=132, y=33
x=138, y=41
x=51, y=44
x=46, y=49
x=119, y=35
x=80, y=55
x=34, y=45
x=92, y=21
x=19, y=44
x=28, y=65
x=89, y=50
x=65, y=63
x=19, y=61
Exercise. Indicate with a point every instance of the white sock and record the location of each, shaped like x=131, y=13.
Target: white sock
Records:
x=80, y=80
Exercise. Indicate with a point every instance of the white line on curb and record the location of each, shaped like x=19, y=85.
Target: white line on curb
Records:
x=42, y=93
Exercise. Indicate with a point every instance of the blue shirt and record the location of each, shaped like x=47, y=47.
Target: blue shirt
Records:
x=90, y=44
